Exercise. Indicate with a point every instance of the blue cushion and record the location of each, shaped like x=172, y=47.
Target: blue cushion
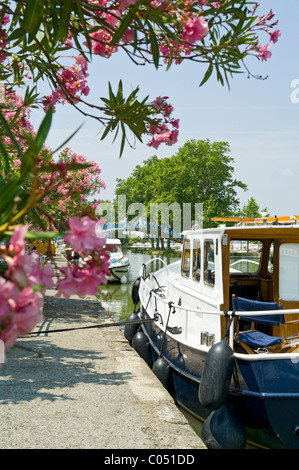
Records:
x=257, y=338
x=246, y=305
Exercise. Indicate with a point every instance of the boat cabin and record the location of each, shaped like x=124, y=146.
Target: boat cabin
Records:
x=257, y=262
x=113, y=245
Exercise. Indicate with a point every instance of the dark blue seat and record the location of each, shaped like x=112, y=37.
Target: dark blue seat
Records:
x=255, y=338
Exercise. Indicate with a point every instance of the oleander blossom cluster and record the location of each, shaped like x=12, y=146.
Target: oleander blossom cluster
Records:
x=21, y=289
x=164, y=129
x=73, y=83
x=87, y=240
x=26, y=279
x=188, y=22
x=3, y=37
x=17, y=115
x=265, y=23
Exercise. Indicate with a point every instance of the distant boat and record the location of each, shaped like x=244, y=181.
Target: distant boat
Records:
x=119, y=265
x=218, y=337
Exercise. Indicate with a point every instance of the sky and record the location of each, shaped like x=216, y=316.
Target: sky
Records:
x=258, y=118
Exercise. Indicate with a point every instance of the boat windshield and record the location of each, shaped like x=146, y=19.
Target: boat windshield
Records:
x=245, y=256
x=113, y=248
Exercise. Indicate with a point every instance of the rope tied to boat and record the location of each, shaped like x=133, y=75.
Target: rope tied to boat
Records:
x=102, y=325
x=171, y=306
x=229, y=318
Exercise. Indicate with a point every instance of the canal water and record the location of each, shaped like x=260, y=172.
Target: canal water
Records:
x=116, y=297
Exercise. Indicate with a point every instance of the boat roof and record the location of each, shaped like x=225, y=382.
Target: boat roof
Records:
x=263, y=231
x=252, y=228
x=113, y=241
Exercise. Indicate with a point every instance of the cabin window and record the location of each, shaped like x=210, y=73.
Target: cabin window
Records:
x=185, y=266
x=196, y=261
x=245, y=256
x=289, y=271
x=209, y=263
x=113, y=248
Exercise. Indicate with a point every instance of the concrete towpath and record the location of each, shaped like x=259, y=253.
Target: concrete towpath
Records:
x=84, y=389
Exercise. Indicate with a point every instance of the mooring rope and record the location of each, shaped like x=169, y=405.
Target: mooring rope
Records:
x=171, y=306
x=103, y=325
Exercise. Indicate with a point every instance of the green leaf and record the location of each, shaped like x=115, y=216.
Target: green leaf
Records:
x=65, y=13
x=17, y=34
x=36, y=235
x=6, y=159
x=207, y=75
x=33, y=16
x=8, y=192
x=154, y=45
x=122, y=28
x=122, y=145
x=107, y=129
x=43, y=130
x=35, y=216
x=27, y=163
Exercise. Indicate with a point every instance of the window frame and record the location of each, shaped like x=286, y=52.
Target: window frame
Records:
x=183, y=272
x=197, y=278
x=208, y=280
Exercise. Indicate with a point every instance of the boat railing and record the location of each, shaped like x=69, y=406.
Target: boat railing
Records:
x=228, y=313
x=244, y=260
x=153, y=260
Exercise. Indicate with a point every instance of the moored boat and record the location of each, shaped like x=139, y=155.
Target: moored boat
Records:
x=119, y=265
x=224, y=332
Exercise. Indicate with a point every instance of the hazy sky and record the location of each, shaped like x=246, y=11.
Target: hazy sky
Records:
x=256, y=117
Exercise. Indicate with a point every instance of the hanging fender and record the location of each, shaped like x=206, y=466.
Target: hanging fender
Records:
x=216, y=376
x=135, y=291
x=223, y=429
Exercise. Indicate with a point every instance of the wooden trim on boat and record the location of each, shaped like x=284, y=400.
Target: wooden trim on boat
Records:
x=267, y=284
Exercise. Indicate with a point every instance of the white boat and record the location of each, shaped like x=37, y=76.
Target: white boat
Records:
x=119, y=265
x=241, y=380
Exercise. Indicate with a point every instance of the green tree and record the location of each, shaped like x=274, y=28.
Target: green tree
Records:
x=200, y=172
x=252, y=209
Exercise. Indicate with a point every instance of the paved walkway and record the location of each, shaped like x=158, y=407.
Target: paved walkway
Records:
x=85, y=389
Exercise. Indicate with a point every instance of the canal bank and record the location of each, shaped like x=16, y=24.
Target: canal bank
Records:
x=85, y=388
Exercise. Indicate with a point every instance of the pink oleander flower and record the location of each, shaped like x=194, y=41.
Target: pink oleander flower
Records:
x=264, y=54
x=164, y=131
x=203, y=2
x=126, y=3
x=74, y=80
x=100, y=43
x=17, y=241
x=23, y=269
x=5, y=19
x=41, y=275
x=80, y=281
x=175, y=123
x=128, y=36
x=19, y=311
x=195, y=29
x=83, y=235
x=159, y=102
x=275, y=35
